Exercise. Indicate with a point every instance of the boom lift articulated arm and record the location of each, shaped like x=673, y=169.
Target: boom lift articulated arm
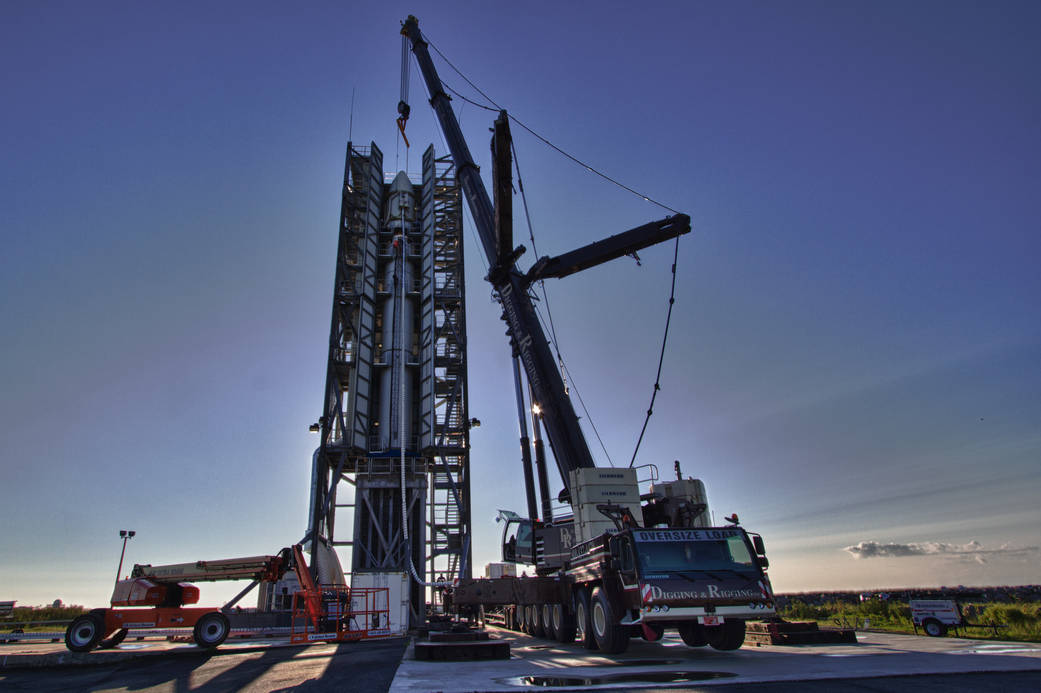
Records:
x=265, y=568
x=494, y=228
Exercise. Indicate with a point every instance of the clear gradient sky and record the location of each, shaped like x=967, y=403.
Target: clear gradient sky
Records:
x=855, y=362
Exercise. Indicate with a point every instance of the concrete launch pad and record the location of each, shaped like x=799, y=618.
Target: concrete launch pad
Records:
x=534, y=663
x=671, y=663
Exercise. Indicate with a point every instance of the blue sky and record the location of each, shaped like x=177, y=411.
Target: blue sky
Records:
x=854, y=353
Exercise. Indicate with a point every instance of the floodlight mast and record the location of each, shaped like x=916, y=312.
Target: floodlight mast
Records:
x=494, y=227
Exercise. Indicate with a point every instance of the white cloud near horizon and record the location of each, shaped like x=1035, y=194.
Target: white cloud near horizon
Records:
x=971, y=551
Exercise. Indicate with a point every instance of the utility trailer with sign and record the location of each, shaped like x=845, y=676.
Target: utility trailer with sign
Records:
x=937, y=616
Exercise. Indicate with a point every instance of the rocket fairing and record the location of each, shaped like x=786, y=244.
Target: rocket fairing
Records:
x=398, y=316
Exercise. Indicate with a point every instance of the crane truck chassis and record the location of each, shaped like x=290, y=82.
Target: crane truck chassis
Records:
x=631, y=579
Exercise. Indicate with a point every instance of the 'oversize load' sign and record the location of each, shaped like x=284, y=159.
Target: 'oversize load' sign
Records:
x=685, y=534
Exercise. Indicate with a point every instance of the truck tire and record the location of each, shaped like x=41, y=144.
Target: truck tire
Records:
x=730, y=635
x=113, y=640
x=211, y=629
x=933, y=628
x=546, y=616
x=693, y=634
x=563, y=624
x=84, y=633
x=611, y=636
x=584, y=629
x=538, y=626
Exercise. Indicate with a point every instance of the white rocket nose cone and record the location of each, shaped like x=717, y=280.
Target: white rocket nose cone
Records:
x=401, y=183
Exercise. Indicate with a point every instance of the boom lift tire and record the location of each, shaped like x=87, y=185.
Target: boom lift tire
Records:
x=113, y=640
x=693, y=634
x=84, y=633
x=585, y=629
x=563, y=624
x=547, y=621
x=211, y=630
x=934, y=628
x=611, y=636
x=730, y=635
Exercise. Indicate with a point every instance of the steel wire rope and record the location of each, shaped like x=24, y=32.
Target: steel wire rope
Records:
x=441, y=136
x=672, y=294
x=549, y=312
x=578, y=393
x=545, y=141
x=661, y=356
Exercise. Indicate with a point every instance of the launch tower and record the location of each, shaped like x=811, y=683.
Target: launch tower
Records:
x=394, y=430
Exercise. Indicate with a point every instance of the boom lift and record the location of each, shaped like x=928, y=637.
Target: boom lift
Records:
x=155, y=597
x=623, y=563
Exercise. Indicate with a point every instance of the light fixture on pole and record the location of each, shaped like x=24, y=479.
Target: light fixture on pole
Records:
x=126, y=534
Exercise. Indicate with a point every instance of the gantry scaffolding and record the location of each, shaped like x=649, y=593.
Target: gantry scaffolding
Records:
x=437, y=456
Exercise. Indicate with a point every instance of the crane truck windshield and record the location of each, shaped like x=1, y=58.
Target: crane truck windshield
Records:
x=693, y=549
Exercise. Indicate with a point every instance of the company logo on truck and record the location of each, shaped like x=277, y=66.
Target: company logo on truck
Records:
x=654, y=593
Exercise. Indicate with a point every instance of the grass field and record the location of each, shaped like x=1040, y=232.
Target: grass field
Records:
x=1023, y=620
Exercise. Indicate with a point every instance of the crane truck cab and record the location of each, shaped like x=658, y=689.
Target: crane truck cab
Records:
x=705, y=581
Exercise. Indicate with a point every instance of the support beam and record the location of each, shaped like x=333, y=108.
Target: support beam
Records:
x=625, y=243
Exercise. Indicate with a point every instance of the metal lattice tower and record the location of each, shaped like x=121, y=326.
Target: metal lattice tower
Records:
x=353, y=450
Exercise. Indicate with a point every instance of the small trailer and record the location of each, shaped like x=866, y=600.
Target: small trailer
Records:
x=936, y=616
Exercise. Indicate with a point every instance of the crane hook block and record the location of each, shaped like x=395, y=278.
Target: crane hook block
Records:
x=403, y=109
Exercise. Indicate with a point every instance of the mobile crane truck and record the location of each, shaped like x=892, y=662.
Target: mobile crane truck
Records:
x=623, y=563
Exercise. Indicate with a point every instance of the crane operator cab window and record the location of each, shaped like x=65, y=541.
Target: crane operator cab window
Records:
x=518, y=541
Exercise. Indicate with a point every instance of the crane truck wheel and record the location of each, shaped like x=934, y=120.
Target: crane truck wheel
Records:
x=728, y=636
x=84, y=633
x=538, y=626
x=584, y=632
x=563, y=624
x=547, y=621
x=113, y=640
x=611, y=636
x=933, y=628
x=693, y=634
x=211, y=629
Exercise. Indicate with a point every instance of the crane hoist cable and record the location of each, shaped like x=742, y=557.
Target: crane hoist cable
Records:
x=512, y=117
x=661, y=356
x=403, y=108
x=591, y=169
x=565, y=375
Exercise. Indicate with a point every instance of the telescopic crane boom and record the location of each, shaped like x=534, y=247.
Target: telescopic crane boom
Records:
x=494, y=228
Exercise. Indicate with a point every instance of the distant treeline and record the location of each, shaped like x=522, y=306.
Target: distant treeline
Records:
x=23, y=614
x=1003, y=594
